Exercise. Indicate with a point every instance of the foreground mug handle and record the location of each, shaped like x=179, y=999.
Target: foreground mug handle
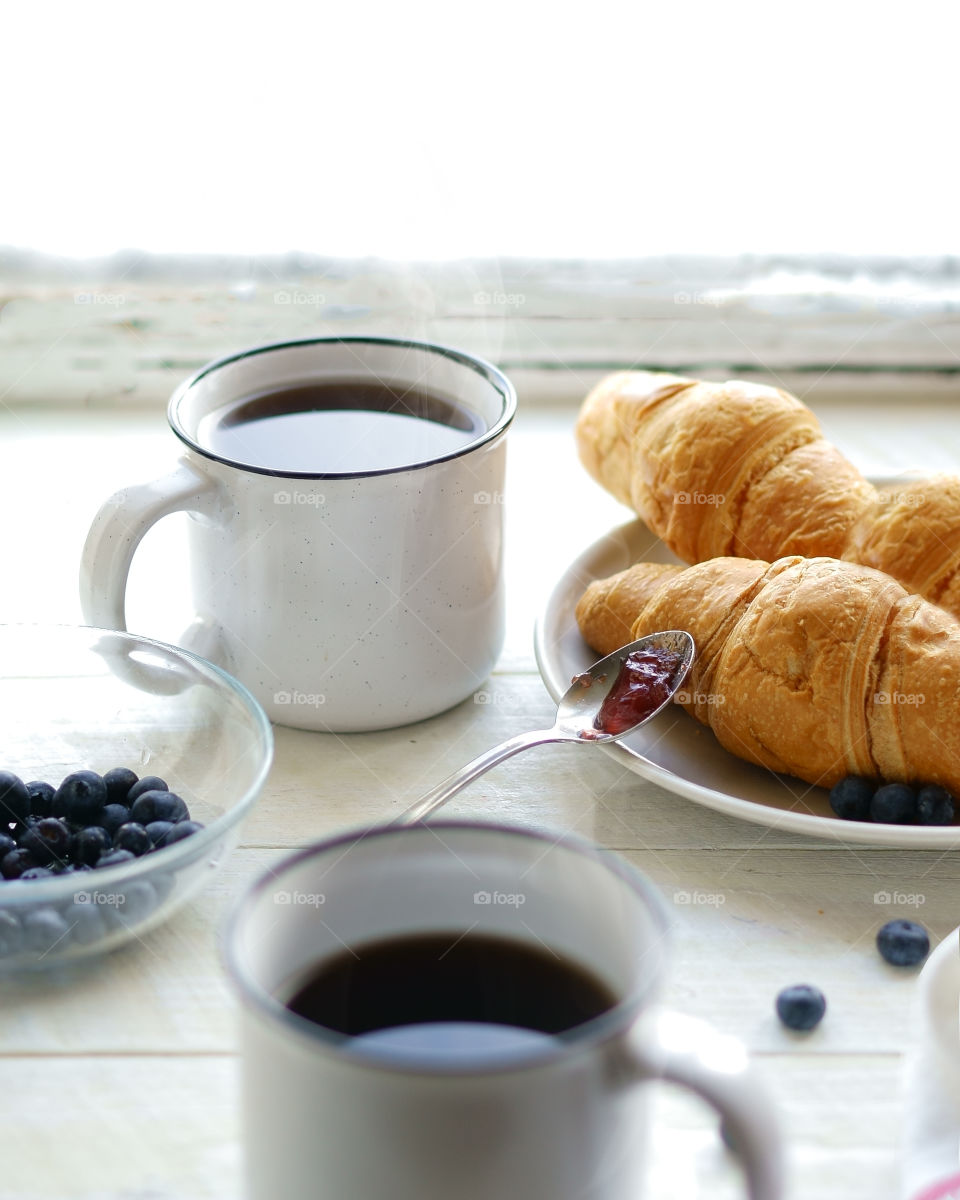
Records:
x=678, y=1049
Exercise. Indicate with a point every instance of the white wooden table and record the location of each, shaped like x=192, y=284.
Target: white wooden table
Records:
x=120, y=1082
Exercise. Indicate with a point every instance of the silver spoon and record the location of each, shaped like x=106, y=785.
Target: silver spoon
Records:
x=577, y=714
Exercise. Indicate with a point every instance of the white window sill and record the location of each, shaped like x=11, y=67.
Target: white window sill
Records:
x=122, y=332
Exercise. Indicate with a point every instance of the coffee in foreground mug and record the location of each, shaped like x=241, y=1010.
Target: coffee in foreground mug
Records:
x=347, y=526
x=460, y=1011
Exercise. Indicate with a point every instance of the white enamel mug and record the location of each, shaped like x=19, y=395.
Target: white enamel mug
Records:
x=565, y=1120
x=343, y=601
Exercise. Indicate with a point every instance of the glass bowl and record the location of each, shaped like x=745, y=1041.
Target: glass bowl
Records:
x=75, y=699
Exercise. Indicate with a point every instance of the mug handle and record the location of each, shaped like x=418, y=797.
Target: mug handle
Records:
x=679, y=1049
x=116, y=532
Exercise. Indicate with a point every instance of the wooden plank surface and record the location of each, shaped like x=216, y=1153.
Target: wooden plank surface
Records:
x=136, y=1050
x=166, y=1128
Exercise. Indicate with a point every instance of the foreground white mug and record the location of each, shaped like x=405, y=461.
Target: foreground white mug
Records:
x=343, y=601
x=567, y=1121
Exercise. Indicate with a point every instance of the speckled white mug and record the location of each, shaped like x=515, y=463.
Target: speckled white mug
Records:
x=344, y=602
x=562, y=1117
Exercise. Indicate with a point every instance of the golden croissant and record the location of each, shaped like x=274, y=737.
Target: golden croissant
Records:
x=742, y=469
x=812, y=667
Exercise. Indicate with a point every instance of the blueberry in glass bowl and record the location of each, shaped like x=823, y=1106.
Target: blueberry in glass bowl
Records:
x=126, y=769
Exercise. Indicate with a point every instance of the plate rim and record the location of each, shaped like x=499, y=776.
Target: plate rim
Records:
x=908, y=837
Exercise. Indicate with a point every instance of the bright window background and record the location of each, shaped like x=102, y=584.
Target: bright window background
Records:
x=441, y=130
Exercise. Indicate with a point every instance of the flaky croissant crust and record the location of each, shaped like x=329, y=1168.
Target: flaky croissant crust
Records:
x=742, y=469
x=812, y=667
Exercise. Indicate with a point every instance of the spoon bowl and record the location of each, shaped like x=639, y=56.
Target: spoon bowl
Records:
x=582, y=703
x=582, y=714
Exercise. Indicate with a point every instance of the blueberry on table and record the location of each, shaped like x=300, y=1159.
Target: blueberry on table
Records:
x=7, y=844
x=158, y=806
x=934, y=806
x=113, y=816
x=81, y=797
x=850, y=798
x=89, y=844
x=119, y=781
x=16, y=862
x=181, y=830
x=48, y=841
x=903, y=943
x=149, y=783
x=14, y=799
x=801, y=1006
x=894, y=804
x=132, y=837
x=41, y=798
x=114, y=859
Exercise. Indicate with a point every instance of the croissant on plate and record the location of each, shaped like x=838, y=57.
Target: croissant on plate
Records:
x=718, y=469
x=812, y=667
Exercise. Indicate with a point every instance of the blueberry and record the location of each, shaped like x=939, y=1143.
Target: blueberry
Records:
x=181, y=830
x=119, y=781
x=7, y=844
x=850, y=798
x=37, y=873
x=114, y=858
x=139, y=901
x=43, y=929
x=149, y=783
x=801, y=1006
x=14, y=799
x=903, y=943
x=132, y=837
x=113, y=816
x=48, y=841
x=11, y=934
x=89, y=844
x=158, y=832
x=81, y=797
x=84, y=922
x=171, y=808
x=894, y=804
x=16, y=862
x=934, y=806
x=158, y=806
x=41, y=798
x=163, y=885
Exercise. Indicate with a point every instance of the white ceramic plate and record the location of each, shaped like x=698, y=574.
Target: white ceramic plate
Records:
x=677, y=752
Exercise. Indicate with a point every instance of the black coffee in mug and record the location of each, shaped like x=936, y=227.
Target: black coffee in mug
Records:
x=449, y=993
x=333, y=427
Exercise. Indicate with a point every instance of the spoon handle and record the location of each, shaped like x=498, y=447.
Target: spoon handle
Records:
x=439, y=795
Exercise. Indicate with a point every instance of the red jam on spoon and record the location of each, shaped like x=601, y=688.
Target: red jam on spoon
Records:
x=642, y=684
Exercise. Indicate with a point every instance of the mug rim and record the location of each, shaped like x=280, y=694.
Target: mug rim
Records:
x=615, y=1021
x=493, y=375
